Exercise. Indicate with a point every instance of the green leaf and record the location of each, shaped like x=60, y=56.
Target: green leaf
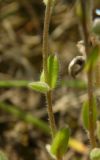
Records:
x=53, y=69
x=85, y=113
x=3, y=156
x=39, y=86
x=60, y=142
x=95, y=154
x=92, y=59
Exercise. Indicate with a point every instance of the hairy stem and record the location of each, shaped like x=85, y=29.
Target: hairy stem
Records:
x=86, y=6
x=50, y=113
x=45, y=38
x=45, y=57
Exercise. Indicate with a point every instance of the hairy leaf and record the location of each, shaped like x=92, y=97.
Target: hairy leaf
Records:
x=39, y=86
x=60, y=142
x=53, y=69
x=85, y=113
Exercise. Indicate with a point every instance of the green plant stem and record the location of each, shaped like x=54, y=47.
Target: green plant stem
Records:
x=45, y=57
x=13, y=83
x=86, y=25
x=24, y=83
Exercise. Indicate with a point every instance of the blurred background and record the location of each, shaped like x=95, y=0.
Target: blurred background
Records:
x=22, y=110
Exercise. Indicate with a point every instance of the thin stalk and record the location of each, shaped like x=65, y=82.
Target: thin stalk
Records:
x=13, y=83
x=50, y=113
x=86, y=6
x=45, y=57
x=45, y=38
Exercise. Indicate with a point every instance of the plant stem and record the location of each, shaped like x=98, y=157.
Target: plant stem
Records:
x=45, y=38
x=86, y=6
x=45, y=57
x=50, y=114
x=13, y=83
